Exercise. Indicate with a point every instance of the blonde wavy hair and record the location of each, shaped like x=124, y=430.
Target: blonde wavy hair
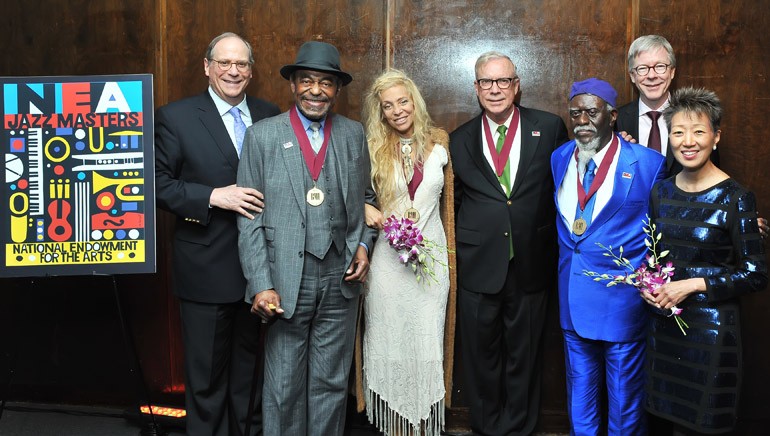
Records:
x=383, y=140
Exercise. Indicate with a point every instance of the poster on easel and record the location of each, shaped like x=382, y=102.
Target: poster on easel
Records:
x=78, y=197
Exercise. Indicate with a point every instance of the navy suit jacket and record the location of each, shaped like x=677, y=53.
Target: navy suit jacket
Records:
x=193, y=155
x=590, y=308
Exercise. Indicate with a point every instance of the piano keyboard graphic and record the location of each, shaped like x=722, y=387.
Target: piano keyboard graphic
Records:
x=34, y=144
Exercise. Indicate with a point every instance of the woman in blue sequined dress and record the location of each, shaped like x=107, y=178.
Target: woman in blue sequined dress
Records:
x=709, y=224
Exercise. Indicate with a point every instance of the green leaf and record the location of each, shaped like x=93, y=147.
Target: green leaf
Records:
x=663, y=254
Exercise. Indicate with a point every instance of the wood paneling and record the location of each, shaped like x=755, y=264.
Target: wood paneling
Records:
x=720, y=45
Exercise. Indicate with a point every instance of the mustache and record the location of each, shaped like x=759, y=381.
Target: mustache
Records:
x=577, y=129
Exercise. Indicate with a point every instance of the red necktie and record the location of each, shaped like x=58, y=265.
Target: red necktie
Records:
x=654, y=142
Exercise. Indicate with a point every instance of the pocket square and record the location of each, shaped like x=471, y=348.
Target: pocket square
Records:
x=626, y=175
x=288, y=144
x=536, y=133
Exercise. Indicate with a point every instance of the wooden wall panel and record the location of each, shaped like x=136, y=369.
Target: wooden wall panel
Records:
x=719, y=44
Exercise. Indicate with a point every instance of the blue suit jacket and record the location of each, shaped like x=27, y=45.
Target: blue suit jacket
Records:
x=590, y=308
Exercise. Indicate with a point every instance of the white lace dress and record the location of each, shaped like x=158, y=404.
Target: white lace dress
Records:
x=404, y=321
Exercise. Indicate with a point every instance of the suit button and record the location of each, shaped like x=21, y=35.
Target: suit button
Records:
x=577, y=251
x=303, y=225
x=509, y=202
x=505, y=234
x=300, y=254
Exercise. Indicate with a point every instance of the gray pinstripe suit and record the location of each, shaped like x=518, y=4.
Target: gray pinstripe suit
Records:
x=308, y=351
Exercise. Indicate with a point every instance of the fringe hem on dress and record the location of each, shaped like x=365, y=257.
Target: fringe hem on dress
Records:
x=391, y=423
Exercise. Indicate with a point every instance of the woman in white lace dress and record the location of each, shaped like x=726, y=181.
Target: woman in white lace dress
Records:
x=407, y=324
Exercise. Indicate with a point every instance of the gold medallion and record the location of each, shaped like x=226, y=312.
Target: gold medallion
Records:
x=315, y=197
x=412, y=214
x=579, y=226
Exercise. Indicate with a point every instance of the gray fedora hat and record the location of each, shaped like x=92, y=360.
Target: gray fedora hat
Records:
x=317, y=56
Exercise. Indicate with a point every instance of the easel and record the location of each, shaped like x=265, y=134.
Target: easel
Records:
x=142, y=396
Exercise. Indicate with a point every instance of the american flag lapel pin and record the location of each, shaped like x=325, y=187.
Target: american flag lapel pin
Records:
x=626, y=175
x=288, y=144
x=536, y=133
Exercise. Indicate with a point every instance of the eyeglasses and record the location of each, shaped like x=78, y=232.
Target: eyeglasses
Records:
x=502, y=83
x=643, y=70
x=225, y=65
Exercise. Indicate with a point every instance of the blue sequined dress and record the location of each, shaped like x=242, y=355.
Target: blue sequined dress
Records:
x=694, y=380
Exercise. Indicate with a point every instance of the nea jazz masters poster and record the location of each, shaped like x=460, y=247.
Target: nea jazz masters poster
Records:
x=78, y=196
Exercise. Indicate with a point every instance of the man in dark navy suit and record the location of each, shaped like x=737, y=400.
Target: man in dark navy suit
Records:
x=197, y=148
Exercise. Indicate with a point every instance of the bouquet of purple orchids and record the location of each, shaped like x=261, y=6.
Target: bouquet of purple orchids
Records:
x=649, y=276
x=413, y=249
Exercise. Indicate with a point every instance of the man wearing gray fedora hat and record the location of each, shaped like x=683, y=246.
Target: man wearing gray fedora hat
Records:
x=306, y=255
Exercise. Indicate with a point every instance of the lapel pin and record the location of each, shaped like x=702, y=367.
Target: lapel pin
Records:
x=626, y=175
x=288, y=144
x=536, y=133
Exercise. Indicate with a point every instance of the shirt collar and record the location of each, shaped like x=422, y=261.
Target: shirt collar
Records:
x=224, y=107
x=643, y=108
x=306, y=122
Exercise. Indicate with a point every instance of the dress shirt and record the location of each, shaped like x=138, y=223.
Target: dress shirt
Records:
x=224, y=107
x=567, y=196
x=513, y=157
x=645, y=125
x=306, y=124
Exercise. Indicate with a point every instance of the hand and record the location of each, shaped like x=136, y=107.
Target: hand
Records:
x=374, y=218
x=763, y=227
x=267, y=304
x=673, y=293
x=238, y=199
x=627, y=137
x=359, y=267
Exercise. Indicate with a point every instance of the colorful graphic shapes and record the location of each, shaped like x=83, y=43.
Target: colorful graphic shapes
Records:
x=60, y=229
x=128, y=220
x=105, y=200
x=18, y=145
x=14, y=168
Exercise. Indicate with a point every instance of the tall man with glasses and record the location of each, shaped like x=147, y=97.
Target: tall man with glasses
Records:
x=651, y=67
x=506, y=240
x=197, y=147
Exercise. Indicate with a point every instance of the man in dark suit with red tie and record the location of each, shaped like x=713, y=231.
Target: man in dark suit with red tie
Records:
x=506, y=248
x=652, y=67
x=197, y=147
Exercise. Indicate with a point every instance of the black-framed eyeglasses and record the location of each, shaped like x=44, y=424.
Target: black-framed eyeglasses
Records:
x=643, y=70
x=225, y=65
x=502, y=83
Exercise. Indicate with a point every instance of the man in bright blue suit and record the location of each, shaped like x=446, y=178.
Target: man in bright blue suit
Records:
x=603, y=186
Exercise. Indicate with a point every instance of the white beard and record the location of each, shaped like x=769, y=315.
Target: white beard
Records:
x=586, y=151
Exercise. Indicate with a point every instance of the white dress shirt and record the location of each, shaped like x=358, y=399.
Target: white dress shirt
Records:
x=224, y=107
x=567, y=195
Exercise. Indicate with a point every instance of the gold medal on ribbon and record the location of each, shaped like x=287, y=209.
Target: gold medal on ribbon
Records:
x=315, y=197
x=412, y=214
x=579, y=226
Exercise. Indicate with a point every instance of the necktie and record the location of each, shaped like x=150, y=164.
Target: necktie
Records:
x=315, y=137
x=654, y=142
x=239, y=127
x=588, y=178
x=505, y=179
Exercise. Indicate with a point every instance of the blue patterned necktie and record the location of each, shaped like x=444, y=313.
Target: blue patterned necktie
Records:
x=588, y=178
x=239, y=127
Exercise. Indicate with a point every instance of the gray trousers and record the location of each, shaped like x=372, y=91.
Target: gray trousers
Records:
x=308, y=357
